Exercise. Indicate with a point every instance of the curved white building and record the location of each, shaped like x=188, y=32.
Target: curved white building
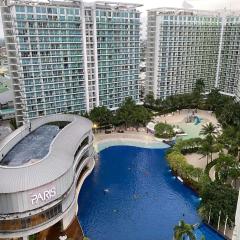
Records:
x=42, y=167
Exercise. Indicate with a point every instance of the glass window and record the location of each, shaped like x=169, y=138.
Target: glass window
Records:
x=70, y=11
x=20, y=9
x=54, y=10
x=34, y=220
x=43, y=10
x=30, y=9
x=38, y=9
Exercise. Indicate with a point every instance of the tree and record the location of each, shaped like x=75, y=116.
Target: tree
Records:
x=101, y=116
x=149, y=100
x=208, y=130
x=207, y=147
x=183, y=230
x=33, y=237
x=140, y=116
x=163, y=130
x=124, y=114
x=199, y=86
x=197, y=92
x=230, y=138
x=227, y=167
x=230, y=115
x=215, y=197
x=177, y=162
x=214, y=100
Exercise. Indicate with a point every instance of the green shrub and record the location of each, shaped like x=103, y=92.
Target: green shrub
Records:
x=188, y=172
x=163, y=130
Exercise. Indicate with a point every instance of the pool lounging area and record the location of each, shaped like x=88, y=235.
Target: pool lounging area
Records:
x=132, y=188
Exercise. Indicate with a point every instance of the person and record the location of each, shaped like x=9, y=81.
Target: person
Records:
x=30, y=126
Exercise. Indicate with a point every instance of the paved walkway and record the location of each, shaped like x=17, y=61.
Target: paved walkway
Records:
x=142, y=136
x=131, y=138
x=180, y=116
x=200, y=161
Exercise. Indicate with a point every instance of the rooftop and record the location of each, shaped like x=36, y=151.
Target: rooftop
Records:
x=106, y=4
x=193, y=12
x=32, y=148
x=58, y=154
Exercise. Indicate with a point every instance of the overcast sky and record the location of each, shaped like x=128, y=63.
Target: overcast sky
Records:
x=198, y=4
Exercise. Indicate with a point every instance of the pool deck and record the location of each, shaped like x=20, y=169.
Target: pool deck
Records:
x=142, y=136
x=129, y=137
x=180, y=116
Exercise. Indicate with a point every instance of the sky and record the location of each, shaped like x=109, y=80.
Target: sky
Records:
x=197, y=4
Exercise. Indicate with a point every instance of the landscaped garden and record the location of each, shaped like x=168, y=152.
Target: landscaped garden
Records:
x=219, y=194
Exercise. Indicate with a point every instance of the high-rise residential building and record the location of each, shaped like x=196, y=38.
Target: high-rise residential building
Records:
x=188, y=45
x=69, y=56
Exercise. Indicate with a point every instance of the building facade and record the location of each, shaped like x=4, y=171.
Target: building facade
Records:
x=70, y=56
x=189, y=45
x=40, y=187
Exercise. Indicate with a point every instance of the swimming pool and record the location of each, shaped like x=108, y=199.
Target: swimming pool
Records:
x=208, y=232
x=131, y=195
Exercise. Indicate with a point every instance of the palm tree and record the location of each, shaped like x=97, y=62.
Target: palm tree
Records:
x=208, y=130
x=227, y=167
x=207, y=149
x=230, y=138
x=183, y=230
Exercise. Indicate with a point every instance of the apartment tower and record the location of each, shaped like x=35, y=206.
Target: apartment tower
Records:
x=189, y=45
x=69, y=56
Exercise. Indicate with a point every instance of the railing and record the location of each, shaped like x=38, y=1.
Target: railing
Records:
x=80, y=154
x=79, y=180
x=32, y=221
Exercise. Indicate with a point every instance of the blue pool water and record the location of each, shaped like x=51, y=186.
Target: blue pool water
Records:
x=208, y=232
x=143, y=200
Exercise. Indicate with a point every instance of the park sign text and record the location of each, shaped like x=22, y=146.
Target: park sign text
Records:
x=43, y=196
